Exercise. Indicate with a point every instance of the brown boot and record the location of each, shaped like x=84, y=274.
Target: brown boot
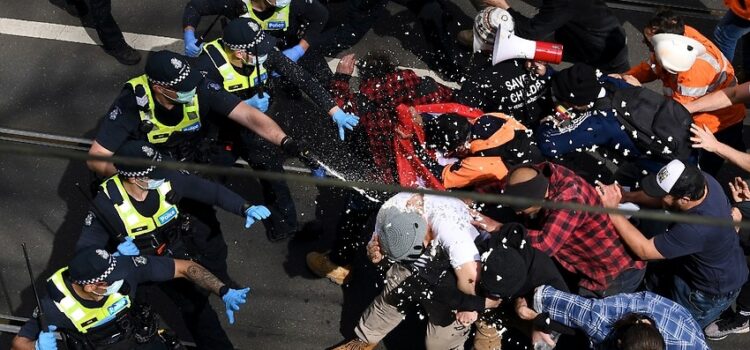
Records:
x=355, y=344
x=321, y=265
x=487, y=337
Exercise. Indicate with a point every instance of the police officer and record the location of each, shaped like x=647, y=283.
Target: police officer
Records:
x=92, y=300
x=170, y=106
x=137, y=209
x=296, y=23
x=232, y=61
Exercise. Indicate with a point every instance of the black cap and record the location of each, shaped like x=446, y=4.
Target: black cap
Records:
x=534, y=188
x=578, y=85
x=142, y=150
x=504, y=269
x=92, y=265
x=172, y=70
x=245, y=34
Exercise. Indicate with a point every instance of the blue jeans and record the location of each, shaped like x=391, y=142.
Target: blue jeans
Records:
x=704, y=307
x=728, y=32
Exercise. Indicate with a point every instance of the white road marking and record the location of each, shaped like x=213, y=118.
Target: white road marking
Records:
x=144, y=42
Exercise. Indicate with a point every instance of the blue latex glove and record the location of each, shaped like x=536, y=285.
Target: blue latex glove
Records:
x=255, y=213
x=294, y=53
x=345, y=120
x=319, y=172
x=128, y=248
x=232, y=301
x=191, y=49
x=46, y=340
x=259, y=102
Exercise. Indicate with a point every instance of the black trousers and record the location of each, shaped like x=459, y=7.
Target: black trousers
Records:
x=262, y=155
x=351, y=232
x=105, y=25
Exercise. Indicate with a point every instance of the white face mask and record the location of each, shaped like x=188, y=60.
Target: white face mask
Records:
x=254, y=62
x=151, y=184
x=112, y=288
x=281, y=3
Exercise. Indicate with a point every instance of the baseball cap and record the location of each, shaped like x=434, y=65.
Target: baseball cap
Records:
x=663, y=182
x=402, y=233
x=141, y=150
x=92, y=265
x=676, y=53
x=172, y=70
x=245, y=34
x=486, y=24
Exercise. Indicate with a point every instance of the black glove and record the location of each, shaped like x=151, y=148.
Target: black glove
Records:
x=300, y=150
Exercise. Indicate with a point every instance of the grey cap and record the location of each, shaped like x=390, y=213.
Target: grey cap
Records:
x=401, y=233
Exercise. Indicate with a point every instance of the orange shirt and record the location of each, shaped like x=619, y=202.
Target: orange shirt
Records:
x=710, y=72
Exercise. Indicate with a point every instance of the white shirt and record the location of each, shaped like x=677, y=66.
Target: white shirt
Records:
x=450, y=222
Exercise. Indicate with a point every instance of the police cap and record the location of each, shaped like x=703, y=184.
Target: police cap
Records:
x=245, y=34
x=141, y=150
x=172, y=70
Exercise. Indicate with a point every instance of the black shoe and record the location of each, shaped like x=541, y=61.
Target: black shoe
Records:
x=125, y=55
x=733, y=324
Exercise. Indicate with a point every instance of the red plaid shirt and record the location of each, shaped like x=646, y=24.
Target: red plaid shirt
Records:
x=376, y=102
x=583, y=243
x=586, y=244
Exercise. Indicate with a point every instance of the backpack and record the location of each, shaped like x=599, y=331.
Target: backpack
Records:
x=659, y=125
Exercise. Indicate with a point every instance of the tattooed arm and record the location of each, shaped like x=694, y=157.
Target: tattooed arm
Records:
x=197, y=274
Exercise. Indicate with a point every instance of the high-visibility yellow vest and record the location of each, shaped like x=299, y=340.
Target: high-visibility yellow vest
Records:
x=160, y=133
x=233, y=80
x=278, y=21
x=84, y=318
x=135, y=223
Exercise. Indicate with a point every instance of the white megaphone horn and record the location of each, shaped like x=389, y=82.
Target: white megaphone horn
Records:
x=509, y=46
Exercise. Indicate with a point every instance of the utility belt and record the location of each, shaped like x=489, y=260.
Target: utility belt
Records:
x=131, y=330
x=175, y=240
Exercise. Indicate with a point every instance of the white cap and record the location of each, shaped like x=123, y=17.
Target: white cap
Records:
x=676, y=53
x=487, y=23
x=661, y=183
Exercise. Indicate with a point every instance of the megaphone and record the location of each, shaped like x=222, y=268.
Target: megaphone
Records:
x=509, y=46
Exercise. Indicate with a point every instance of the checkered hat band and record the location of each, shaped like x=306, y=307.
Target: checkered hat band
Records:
x=142, y=173
x=183, y=75
x=105, y=274
x=258, y=39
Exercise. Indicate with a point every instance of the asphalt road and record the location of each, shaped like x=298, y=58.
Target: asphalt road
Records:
x=64, y=88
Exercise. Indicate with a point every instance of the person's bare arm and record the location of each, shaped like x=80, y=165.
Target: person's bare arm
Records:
x=102, y=168
x=467, y=276
x=720, y=99
x=643, y=247
x=198, y=275
x=703, y=138
x=642, y=199
x=258, y=122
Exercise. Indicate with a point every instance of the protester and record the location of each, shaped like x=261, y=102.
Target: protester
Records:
x=511, y=87
x=589, y=30
x=712, y=267
x=406, y=224
x=689, y=67
x=625, y=321
x=583, y=243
